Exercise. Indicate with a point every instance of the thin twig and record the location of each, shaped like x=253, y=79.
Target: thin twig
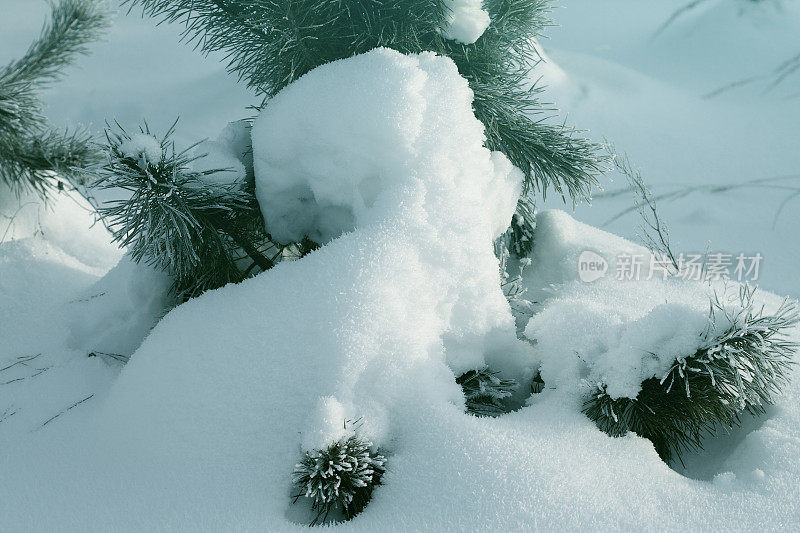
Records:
x=675, y=15
x=6, y=414
x=115, y=356
x=652, y=231
x=22, y=360
x=12, y=218
x=87, y=299
x=76, y=404
x=771, y=183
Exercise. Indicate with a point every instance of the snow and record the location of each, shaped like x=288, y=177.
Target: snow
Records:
x=202, y=428
x=329, y=422
x=327, y=162
x=215, y=156
x=65, y=221
x=142, y=145
x=613, y=332
x=230, y=155
x=353, y=338
x=117, y=312
x=466, y=20
x=646, y=94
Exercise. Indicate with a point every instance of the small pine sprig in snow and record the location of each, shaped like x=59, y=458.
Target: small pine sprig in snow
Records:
x=339, y=477
x=741, y=366
x=485, y=393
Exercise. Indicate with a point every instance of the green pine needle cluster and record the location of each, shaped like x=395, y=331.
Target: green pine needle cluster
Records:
x=485, y=393
x=340, y=477
x=517, y=241
x=517, y=236
x=202, y=233
x=742, y=366
x=270, y=43
x=31, y=151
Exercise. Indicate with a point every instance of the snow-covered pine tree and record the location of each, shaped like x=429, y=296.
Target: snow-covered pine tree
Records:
x=741, y=366
x=31, y=151
x=270, y=43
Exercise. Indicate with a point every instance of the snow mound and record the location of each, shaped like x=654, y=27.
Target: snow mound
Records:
x=402, y=155
x=370, y=327
x=618, y=334
x=329, y=161
x=606, y=329
x=559, y=243
x=64, y=220
x=117, y=312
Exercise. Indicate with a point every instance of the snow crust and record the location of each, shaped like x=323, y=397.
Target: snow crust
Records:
x=466, y=20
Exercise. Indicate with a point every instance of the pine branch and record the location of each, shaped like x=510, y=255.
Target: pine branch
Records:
x=741, y=366
x=173, y=219
x=203, y=233
x=518, y=237
x=32, y=162
x=31, y=152
x=73, y=25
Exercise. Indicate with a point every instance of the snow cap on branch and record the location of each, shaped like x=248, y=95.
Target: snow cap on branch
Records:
x=142, y=145
x=466, y=21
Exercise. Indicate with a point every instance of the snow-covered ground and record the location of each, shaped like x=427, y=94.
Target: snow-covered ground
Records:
x=646, y=94
x=204, y=425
